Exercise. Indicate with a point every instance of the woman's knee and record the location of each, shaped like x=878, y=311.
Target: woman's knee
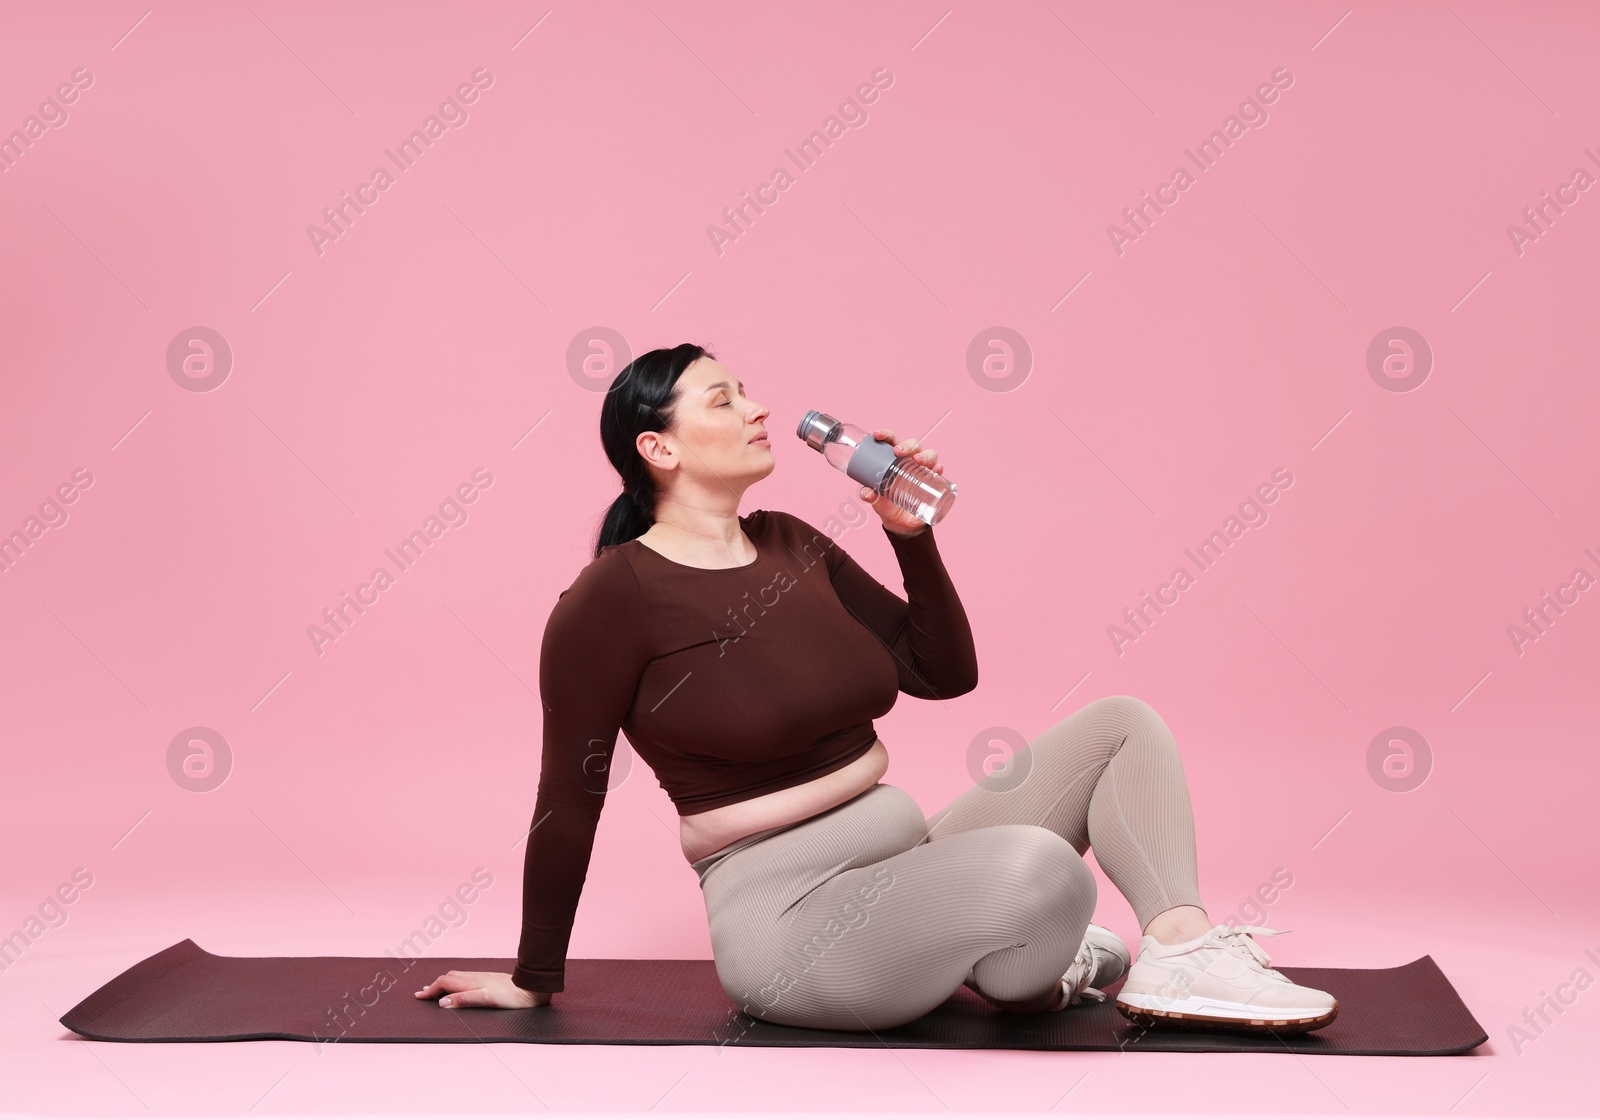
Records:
x=1047, y=870
x=1128, y=708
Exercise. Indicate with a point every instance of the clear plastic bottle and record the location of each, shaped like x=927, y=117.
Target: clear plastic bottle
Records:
x=923, y=493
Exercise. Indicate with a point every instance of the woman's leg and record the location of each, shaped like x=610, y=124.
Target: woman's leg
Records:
x=849, y=921
x=1107, y=776
x=868, y=916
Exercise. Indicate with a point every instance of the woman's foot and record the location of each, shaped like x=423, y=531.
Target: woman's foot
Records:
x=1220, y=979
x=1101, y=959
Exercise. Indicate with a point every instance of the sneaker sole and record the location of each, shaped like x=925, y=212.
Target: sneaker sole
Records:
x=1208, y=1014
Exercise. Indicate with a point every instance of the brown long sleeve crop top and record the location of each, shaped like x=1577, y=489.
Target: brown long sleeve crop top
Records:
x=729, y=682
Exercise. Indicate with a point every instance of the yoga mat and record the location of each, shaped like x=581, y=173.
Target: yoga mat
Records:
x=185, y=994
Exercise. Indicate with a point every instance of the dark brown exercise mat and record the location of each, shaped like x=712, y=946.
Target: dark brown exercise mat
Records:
x=185, y=994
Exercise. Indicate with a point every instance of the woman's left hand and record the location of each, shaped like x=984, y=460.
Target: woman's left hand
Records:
x=895, y=519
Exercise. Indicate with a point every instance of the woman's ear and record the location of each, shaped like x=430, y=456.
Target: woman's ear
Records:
x=656, y=450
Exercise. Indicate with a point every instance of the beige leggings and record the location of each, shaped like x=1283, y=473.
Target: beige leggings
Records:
x=867, y=916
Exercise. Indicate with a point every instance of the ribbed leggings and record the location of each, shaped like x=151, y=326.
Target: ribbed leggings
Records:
x=867, y=915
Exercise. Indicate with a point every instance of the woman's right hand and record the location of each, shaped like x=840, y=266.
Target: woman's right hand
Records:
x=482, y=989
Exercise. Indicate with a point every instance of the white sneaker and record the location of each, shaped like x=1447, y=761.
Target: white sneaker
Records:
x=1101, y=959
x=1220, y=979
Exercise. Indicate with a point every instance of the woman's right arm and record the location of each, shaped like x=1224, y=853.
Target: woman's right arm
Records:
x=593, y=653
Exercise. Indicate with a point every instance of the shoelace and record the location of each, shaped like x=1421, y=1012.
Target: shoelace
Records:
x=1082, y=968
x=1093, y=993
x=1234, y=938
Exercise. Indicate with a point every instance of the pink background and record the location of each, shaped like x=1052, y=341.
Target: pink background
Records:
x=1166, y=383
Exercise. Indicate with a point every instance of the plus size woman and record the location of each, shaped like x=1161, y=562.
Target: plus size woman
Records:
x=746, y=657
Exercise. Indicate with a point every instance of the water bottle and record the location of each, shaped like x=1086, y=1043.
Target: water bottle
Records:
x=925, y=494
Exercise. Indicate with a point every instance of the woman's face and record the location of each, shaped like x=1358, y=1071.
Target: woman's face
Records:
x=714, y=441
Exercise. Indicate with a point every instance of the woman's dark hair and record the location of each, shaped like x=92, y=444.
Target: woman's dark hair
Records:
x=643, y=398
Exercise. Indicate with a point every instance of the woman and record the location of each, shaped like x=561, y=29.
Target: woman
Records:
x=746, y=658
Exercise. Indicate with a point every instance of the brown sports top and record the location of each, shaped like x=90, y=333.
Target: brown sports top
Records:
x=729, y=682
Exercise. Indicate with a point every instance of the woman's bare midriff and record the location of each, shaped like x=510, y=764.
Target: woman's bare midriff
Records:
x=710, y=831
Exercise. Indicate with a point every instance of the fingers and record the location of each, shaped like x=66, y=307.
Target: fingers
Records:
x=451, y=982
x=479, y=989
x=468, y=997
x=927, y=456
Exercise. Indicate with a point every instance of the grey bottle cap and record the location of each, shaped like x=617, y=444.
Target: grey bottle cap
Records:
x=869, y=462
x=814, y=428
